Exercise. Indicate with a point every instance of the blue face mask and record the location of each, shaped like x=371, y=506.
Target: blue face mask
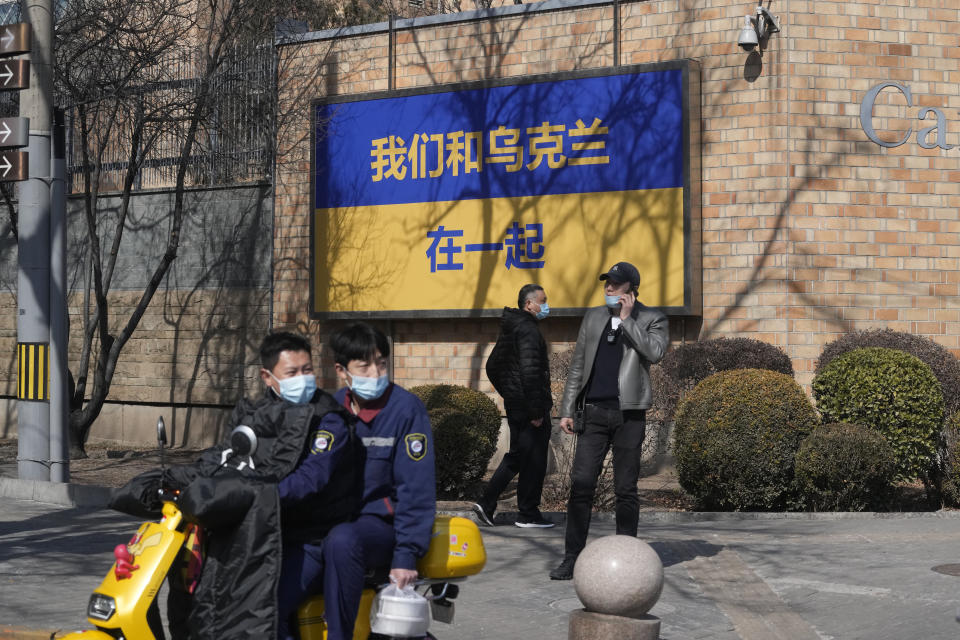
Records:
x=544, y=311
x=297, y=389
x=612, y=301
x=369, y=388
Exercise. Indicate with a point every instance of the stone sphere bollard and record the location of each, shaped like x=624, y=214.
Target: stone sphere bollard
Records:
x=618, y=575
x=618, y=579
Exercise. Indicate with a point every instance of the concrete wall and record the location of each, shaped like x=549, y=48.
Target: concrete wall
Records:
x=194, y=352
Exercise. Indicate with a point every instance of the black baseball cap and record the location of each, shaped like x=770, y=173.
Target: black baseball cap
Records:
x=622, y=272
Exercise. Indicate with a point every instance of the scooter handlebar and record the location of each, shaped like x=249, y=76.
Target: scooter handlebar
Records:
x=169, y=495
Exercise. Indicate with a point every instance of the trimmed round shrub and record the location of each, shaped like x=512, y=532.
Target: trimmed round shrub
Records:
x=844, y=467
x=686, y=365
x=466, y=425
x=944, y=365
x=736, y=435
x=890, y=391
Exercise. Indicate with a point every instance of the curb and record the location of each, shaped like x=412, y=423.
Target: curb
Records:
x=93, y=496
x=680, y=517
x=68, y=495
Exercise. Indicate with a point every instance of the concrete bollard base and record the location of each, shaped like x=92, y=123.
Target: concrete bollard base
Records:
x=586, y=625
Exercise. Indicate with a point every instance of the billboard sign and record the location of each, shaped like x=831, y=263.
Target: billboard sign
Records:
x=444, y=202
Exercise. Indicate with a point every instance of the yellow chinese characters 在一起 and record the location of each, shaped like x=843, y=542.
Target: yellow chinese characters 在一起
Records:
x=378, y=257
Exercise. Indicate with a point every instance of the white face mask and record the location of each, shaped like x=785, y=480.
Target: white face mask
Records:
x=369, y=388
x=296, y=389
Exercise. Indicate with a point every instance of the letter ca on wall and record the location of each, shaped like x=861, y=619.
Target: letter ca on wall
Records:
x=923, y=135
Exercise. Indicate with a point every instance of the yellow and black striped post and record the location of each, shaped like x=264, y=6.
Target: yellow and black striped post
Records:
x=33, y=379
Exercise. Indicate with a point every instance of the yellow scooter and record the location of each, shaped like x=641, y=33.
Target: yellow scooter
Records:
x=119, y=607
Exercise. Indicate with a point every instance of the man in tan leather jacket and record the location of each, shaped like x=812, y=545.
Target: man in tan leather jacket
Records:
x=608, y=389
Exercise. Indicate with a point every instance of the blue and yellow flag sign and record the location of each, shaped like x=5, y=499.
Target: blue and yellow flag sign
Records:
x=445, y=203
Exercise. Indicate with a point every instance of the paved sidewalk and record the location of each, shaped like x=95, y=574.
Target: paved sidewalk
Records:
x=728, y=576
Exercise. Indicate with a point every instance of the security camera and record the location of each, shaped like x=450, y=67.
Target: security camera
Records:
x=748, y=40
x=757, y=29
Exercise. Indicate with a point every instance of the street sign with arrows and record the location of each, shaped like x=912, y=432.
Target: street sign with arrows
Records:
x=14, y=166
x=14, y=132
x=14, y=39
x=14, y=74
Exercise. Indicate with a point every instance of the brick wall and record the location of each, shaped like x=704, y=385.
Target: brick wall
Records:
x=873, y=240
x=810, y=229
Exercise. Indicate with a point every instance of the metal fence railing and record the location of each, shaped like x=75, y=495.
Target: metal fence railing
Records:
x=234, y=144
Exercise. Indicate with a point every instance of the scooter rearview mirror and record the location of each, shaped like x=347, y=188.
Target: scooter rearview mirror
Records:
x=161, y=433
x=243, y=441
x=162, y=442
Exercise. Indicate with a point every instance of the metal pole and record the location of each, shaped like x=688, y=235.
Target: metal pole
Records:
x=33, y=275
x=616, y=33
x=59, y=400
x=391, y=53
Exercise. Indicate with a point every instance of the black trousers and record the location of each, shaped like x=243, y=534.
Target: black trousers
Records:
x=527, y=458
x=605, y=428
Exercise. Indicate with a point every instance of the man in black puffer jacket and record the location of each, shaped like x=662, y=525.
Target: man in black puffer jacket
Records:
x=519, y=369
x=264, y=526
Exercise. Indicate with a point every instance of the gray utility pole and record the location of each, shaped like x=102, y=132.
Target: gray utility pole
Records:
x=59, y=402
x=33, y=276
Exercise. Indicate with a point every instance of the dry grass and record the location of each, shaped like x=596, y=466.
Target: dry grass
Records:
x=107, y=464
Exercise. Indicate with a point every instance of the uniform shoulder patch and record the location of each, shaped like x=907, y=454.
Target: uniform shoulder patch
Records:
x=322, y=441
x=416, y=446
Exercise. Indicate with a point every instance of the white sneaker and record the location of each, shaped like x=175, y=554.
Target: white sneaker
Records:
x=482, y=515
x=534, y=523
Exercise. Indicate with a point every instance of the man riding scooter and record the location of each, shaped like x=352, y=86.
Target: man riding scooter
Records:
x=304, y=479
x=399, y=482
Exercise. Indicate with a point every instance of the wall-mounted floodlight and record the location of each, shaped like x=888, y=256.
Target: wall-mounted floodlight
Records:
x=757, y=29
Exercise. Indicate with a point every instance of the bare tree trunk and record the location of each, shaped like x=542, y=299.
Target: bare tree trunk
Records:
x=115, y=69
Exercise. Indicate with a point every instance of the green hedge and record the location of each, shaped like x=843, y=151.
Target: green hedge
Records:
x=736, y=436
x=890, y=391
x=466, y=425
x=844, y=467
x=944, y=364
x=686, y=365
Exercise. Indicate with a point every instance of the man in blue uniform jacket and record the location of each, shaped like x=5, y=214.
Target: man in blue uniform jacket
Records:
x=399, y=485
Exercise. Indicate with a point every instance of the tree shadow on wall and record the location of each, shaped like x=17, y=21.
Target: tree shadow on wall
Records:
x=219, y=310
x=797, y=254
x=799, y=249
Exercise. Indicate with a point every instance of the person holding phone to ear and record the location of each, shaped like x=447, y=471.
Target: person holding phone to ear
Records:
x=608, y=389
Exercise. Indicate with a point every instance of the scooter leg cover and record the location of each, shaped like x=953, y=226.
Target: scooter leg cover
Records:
x=155, y=622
